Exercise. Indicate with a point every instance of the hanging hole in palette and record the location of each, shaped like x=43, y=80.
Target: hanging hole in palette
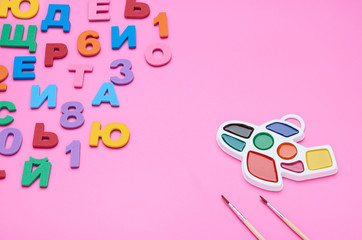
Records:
x=295, y=120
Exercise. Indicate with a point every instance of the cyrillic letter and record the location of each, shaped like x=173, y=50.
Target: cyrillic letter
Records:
x=101, y=96
x=21, y=64
x=79, y=70
x=54, y=51
x=3, y=75
x=160, y=61
x=161, y=20
x=14, y=6
x=42, y=172
x=129, y=33
x=99, y=10
x=38, y=99
x=125, y=71
x=105, y=135
x=18, y=37
x=135, y=9
x=74, y=149
x=87, y=39
x=17, y=140
x=63, y=22
x=11, y=108
x=43, y=139
x=72, y=110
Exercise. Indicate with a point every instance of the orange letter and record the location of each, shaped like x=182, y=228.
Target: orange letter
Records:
x=86, y=39
x=161, y=20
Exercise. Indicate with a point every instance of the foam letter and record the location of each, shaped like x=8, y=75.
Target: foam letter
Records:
x=3, y=75
x=101, y=96
x=157, y=62
x=43, y=139
x=129, y=33
x=161, y=20
x=54, y=51
x=17, y=140
x=125, y=71
x=18, y=37
x=14, y=6
x=87, y=39
x=11, y=108
x=99, y=10
x=21, y=65
x=79, y=70
x=72, y=110
x=135, y=9
x=105, y=135
x=38, y=99
x=42, y=172
x=63, y=22
x=74, y=149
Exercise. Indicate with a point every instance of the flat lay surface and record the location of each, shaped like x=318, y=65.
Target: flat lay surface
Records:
x=252, y=61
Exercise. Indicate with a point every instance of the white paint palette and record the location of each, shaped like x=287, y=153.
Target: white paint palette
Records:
x=270, y=152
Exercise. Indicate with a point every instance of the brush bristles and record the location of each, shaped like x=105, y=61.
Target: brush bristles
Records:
x=225, y=199
x=264, y=200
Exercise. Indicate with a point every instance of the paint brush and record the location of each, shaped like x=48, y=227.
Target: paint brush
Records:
x=289, y=223
x=247, y=224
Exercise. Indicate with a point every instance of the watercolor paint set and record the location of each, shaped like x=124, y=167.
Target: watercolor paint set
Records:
x=270, y=152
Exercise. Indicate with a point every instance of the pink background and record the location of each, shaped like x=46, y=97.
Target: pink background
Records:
x=232, y=60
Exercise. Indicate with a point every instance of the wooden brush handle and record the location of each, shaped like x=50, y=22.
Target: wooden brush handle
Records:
x=295, y=229
x=253, y=230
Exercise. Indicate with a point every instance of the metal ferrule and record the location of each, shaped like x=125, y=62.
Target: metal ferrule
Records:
x=276, y=211
x=237, y=213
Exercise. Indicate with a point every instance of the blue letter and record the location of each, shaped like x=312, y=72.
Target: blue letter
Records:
x=101, y=96
x=63, y=22
x=20, y=66
x=129, y=33
x=38, y=99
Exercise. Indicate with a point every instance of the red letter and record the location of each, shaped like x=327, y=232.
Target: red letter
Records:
x=54, y=51
x=135, y=9
x=44, y=139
